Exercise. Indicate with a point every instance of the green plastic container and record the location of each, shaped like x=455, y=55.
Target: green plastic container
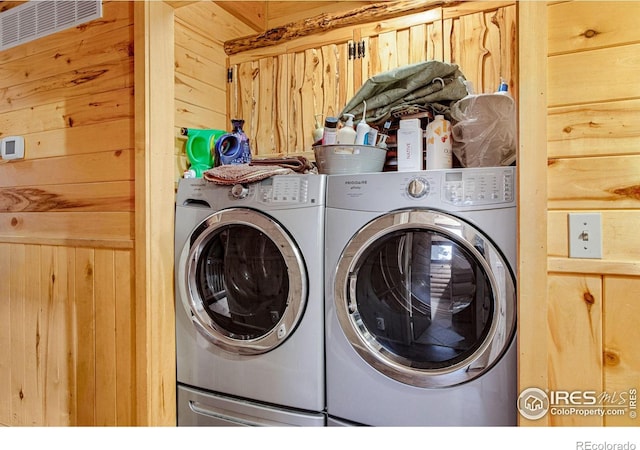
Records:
x=200, y=147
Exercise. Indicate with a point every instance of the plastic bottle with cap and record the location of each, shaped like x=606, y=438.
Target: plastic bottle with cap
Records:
x=330, y=132
x=503, y=88
x=439, y=145
x=318, y=131
x=347, y=134
x=363, y=128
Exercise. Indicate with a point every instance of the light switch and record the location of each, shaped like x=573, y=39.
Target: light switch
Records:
x=585, y=235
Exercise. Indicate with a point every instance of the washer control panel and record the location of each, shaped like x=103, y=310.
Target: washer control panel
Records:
x=283, y=190
x=468, y=187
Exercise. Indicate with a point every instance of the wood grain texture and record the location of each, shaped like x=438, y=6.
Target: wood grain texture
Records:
x=611, y=75
x=594, y=183
x=533, y=335
x=110, y=196
x=61, y=208
x=58, y=344
x=575, y=331
x=577, y=26
x=593, y=167
x=594, y=129
x=621, y=352
x=484, y=46
x=154, y=206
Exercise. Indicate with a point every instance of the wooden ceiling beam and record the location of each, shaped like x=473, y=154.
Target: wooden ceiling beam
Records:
x=326, y=22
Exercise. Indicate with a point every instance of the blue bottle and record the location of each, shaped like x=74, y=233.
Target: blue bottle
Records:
x=233, y=148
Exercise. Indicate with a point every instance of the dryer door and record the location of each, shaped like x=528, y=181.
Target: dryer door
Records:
x=242, y=281
x=425, y=298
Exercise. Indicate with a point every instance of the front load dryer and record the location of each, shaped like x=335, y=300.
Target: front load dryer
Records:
x=249, y=302
x=421, y=298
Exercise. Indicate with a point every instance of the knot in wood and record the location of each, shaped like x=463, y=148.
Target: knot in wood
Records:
x=589, y=299
x=611, y=358
x=14, y=221
x=590, y=33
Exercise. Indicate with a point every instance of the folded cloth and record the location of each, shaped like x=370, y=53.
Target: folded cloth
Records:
x=242, y=173
x=298, y=164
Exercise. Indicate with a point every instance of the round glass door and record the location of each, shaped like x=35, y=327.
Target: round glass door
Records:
x=243, y=281
x=425, y=298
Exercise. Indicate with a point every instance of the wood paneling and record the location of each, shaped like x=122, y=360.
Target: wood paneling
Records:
x=611, y=75
x=594, y=183
x=533, y=336
x=155, y=207
x=575, y=332
x=200, y=73
x=575, y=26
x=619, y=227
x=67, y=227
x=593, y=166
x=621, y=352
x=63, y=342
x=598, y=129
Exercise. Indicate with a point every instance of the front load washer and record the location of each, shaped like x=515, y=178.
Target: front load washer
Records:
x=249, y=302
x=421, y=298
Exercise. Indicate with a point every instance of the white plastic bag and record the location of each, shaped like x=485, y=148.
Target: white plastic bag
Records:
x=484, y=133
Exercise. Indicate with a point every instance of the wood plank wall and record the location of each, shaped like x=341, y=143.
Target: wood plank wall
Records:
x=594, y=166
x=201, y=70
x=67, y=227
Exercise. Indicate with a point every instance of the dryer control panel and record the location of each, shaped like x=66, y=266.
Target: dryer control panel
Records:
x=478, y=187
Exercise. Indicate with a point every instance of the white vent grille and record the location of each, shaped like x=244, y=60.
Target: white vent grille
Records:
x=38, y=18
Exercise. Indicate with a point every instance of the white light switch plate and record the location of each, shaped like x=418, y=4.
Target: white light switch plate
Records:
x=585, y=235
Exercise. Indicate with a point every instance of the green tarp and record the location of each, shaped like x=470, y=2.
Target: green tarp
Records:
x=430, y=84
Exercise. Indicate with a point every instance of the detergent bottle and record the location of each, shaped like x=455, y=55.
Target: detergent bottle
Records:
x=233, y=148
x=200, y=148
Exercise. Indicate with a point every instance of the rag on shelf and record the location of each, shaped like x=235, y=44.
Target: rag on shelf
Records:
x=298, y=164
x=243, y=173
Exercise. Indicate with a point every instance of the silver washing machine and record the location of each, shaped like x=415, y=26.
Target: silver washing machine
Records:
x=249, y=302
x=421, y=298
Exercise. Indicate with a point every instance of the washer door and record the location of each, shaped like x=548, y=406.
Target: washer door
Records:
x=425, y=298
x=242, y=281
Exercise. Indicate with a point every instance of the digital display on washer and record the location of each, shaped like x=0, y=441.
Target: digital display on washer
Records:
x=453, y=176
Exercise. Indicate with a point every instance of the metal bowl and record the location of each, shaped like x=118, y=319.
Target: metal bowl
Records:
x=347, y=159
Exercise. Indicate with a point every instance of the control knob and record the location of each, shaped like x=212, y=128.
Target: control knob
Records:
x=239, y=191
x=418, y=187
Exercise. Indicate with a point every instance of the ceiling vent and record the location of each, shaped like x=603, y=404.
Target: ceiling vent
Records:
x=35, y=19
